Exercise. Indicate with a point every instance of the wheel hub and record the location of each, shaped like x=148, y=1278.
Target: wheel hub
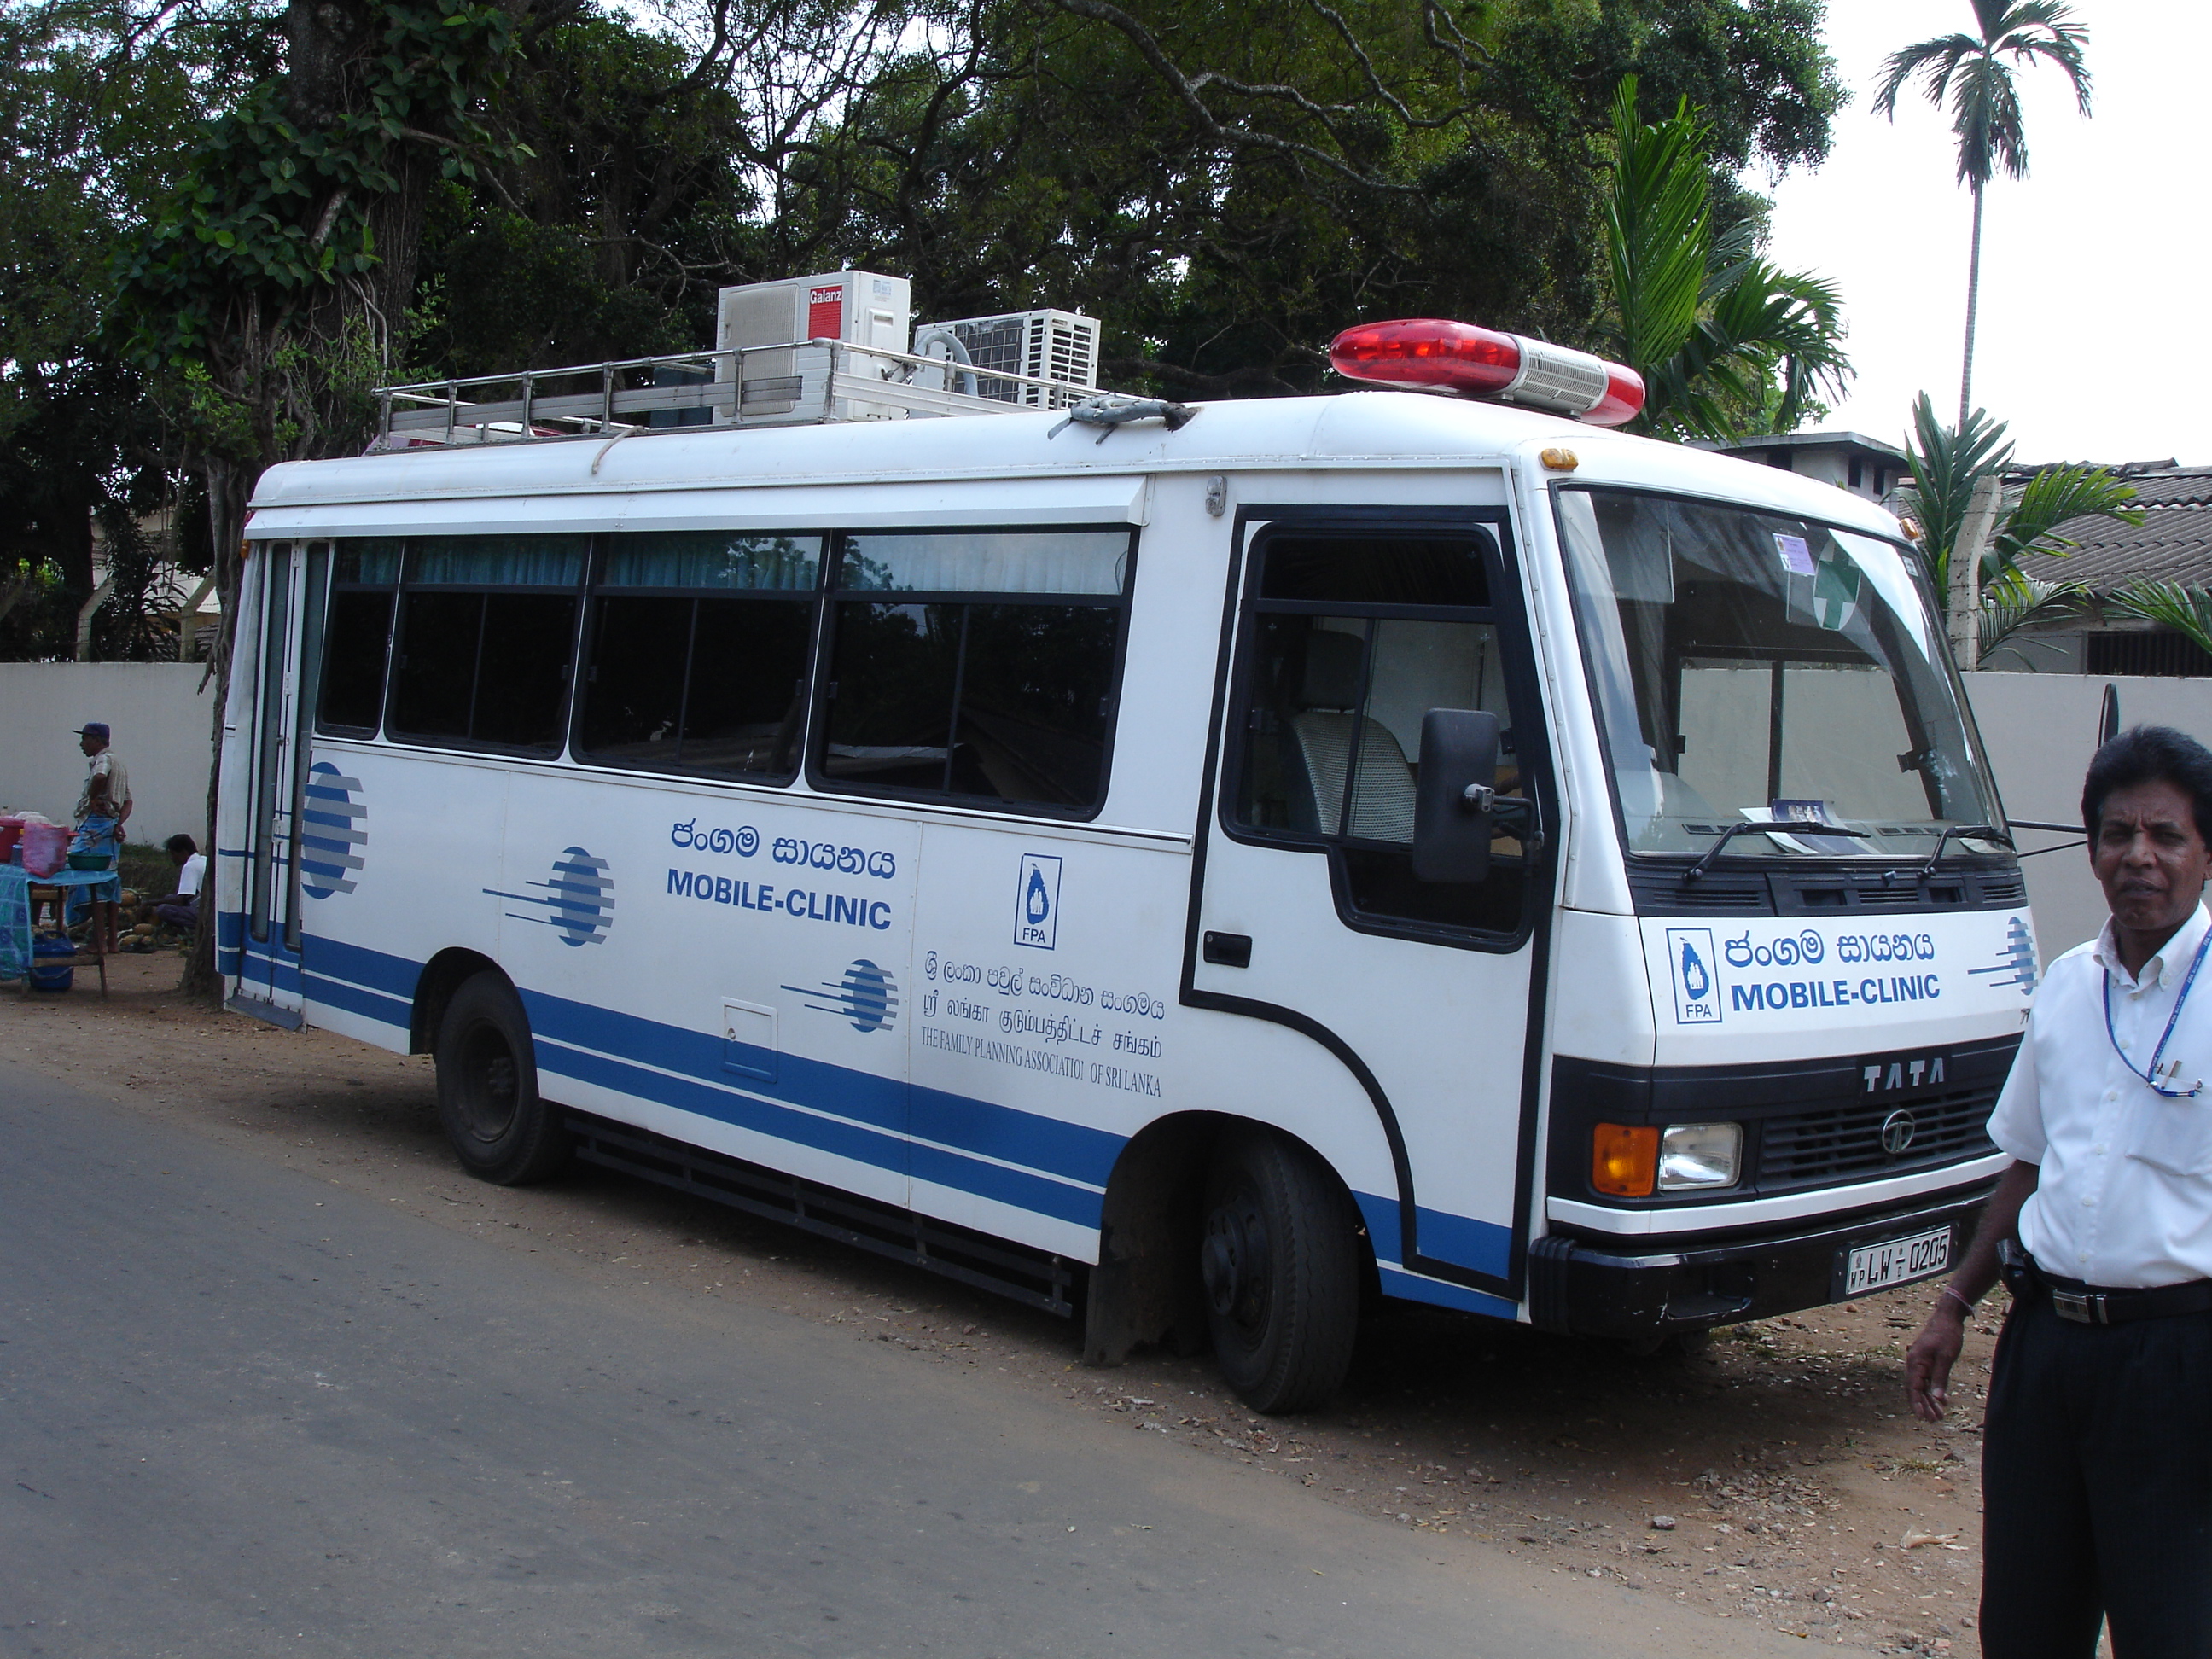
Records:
x=1236, y=1264
x=491, y=1096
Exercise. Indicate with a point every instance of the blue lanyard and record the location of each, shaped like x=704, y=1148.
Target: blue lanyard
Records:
x=2151, y=1075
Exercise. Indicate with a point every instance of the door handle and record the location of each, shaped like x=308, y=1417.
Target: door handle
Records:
x=1229, y=950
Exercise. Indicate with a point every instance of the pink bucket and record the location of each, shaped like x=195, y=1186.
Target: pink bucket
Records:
x=46, y=847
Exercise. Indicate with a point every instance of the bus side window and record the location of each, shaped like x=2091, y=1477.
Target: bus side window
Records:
x=487, y=627
x=1353, y=639
x=357, y=635
x=976, y=665
x=697, y=659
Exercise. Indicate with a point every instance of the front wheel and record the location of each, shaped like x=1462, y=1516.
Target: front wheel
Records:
x=1280, y=1258
x=488, y=1099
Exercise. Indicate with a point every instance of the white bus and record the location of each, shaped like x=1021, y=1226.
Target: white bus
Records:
x=1193, y=870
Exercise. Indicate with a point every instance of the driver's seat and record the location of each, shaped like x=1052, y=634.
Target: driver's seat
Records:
x=1324, y=719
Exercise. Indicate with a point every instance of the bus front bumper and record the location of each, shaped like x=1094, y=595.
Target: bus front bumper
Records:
x=1587, y=1283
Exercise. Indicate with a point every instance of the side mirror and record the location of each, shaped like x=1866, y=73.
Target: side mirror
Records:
x=1453, y=817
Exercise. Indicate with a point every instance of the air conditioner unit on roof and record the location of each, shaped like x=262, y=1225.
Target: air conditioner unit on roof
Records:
x=1045, y=345
x=860, y=307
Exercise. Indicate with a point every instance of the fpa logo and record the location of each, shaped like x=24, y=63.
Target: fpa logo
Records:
x=1037, y=903
x=578, y=900
x=1690, y=963
x=333, y=832
x=868, y=996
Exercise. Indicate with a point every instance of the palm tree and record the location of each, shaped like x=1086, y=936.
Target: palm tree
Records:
x=1947, y=463
x=1971, y=72
x=1726, y=342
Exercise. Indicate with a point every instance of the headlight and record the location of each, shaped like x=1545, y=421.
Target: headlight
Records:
x=1695, y=1155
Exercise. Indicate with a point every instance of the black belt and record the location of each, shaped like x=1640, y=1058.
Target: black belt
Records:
x=2097, y=1304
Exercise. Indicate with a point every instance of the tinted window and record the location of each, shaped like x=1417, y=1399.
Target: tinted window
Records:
x=357, y=634
x=487, y=627
x=1345, y=661
x=439, y=636
x=698, y=652
x=998, y=685
x=1376, y=570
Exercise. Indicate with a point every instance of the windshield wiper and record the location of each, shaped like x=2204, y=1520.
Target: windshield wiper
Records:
x=1752, y=827
x=1963, y=832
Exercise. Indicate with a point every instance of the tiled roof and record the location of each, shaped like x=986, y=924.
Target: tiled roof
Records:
x=2172, y=544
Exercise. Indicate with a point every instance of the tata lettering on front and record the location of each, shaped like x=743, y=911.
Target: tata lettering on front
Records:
x=1211, y=858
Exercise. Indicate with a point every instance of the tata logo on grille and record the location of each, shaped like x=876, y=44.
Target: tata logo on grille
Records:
x=1884, y=1076
x=1897, y=1132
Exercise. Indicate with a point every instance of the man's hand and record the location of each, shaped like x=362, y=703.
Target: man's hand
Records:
x=1928, y=1362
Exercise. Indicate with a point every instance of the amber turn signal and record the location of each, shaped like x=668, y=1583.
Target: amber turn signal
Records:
x=1623, y=1161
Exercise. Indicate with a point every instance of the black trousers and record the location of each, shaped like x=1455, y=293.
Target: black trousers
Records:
x=2097, y=1488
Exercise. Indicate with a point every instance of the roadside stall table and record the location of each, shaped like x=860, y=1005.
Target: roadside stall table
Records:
x=17, y=887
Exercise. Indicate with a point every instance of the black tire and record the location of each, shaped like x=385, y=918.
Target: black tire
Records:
x=501, y=1129
x=1280, y=1258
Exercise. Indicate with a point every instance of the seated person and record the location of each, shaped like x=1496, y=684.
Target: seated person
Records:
x=181, y=908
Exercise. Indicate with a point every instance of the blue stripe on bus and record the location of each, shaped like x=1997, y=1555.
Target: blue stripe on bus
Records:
x=281, y=972
x=1051, y=1152
x=1037, y=1193
x=1464, y=1242
x=1050, y=1147
x=856, y=1141
x=394, y=1011
x=1073, y=1151
x=393, y=975
x=878, y=1102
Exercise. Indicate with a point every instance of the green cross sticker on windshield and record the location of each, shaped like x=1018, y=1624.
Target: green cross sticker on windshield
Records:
x=1835, y=591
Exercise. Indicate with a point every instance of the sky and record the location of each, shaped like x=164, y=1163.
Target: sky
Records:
x=2095, y=320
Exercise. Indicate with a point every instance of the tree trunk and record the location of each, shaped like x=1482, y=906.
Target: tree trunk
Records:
x=1974, y=303
x=229, y=486
x=1963, y=570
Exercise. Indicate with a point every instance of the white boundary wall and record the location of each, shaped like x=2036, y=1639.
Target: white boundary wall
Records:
x=161, y=721
x=2041, y=730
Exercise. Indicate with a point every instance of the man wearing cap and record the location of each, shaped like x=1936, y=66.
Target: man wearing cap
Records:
x=102, y=811
x=2097, y=1461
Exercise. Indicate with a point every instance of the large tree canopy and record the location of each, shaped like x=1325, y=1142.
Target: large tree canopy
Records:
x=221, y=221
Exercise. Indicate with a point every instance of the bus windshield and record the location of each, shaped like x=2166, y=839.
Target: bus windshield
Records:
x=1753, y=668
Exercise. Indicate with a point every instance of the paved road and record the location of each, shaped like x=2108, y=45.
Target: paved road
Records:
x=243, y=1412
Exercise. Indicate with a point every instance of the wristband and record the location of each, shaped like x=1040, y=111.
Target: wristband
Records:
x=1961, y=1300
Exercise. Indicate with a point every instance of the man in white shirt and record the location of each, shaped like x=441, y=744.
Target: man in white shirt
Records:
x=2097, y=1463
x=181, y=908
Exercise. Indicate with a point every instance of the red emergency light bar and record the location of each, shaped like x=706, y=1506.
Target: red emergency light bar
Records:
x=1426, y=353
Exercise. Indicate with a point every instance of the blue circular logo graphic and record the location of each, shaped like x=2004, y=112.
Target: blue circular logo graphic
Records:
x=333, y=832
x=581, y=899
x=868, y=996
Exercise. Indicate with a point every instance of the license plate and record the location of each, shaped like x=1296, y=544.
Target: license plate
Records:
x=1897, y=1261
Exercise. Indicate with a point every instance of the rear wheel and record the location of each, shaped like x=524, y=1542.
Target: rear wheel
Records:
x=488, y=1099
x=1280, y=1260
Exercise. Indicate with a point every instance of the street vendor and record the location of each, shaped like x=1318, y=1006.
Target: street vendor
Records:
x=102, y=809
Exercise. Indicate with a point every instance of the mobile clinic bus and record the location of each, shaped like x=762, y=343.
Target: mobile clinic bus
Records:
x=1199, y=867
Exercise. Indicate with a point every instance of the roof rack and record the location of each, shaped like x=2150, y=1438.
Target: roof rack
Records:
x=804, y=382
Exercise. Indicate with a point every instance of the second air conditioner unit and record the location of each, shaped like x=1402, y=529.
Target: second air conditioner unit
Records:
x=1044, y=345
